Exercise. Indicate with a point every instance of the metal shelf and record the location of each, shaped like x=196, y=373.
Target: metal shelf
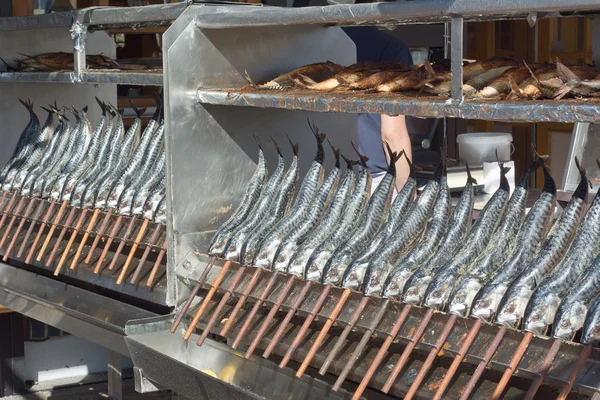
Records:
x=395, y=13
x=396, y=104
x=91, y=77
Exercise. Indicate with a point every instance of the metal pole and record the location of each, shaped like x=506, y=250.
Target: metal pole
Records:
x=456, y=49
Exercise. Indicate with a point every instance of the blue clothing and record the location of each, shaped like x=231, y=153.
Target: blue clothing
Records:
x=376, y=46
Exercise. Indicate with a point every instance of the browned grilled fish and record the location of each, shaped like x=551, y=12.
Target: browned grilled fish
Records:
x=578, y=81
x=475, y=84
x=412, y=80
x=377, y=78
x=471, y=70
x=317, y=72
x=502, y=84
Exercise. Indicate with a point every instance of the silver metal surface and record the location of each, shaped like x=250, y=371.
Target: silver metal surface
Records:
x=214, y=370
x=383, y=13
x=585, y=145
x=456, y=49
x=143, y=384
x=91, y=77
x=80, y=312
x=115, y=374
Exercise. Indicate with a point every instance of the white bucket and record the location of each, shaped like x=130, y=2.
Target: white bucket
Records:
x=477, y=148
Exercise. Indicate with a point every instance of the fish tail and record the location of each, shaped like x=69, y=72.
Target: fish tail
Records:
x=393, y=158
x=582, y=189
x=294, y=146
x=276, y=146
x=159, y=106
x=247, y=76
x=470, y=178
x=429, y=69
x=362, y=159
x=336, y=154
x=49, y=110
x=257, y=141
x=349, y=163
x=101, y=104
x=315, y=130
x=138, y=111
x=8, y=67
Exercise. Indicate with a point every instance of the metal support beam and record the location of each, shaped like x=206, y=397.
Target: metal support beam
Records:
x=12, y=354
x=115, y=376
x=456, y=50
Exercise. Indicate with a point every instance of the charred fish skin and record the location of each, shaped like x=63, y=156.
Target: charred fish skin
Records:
x=328, y=224
x=234, y=246
x=316, y=72
x=281, y=206
x=253, y=191
x=440, y=288
x=512, y=307
x=318, y=206
x=418, y=220
x=500, y=248
x=559, y=277
x=591, y=326
x=265, y=254
x=370, y=223
x=349, y=222
x=534, y=228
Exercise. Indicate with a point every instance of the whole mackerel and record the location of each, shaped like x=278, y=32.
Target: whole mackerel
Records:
x=253, y=191
x=261, y=210
x=328, y=224
x=434, y=201
x=431, y=287
x=513, y=304
x=318, y=206
x=349, y=223
x=154, y=199
x=501, y=247
x=267, y=249
x=591, y=326
x=458, y=226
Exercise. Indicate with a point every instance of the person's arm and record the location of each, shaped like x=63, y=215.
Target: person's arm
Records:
x=395, y=133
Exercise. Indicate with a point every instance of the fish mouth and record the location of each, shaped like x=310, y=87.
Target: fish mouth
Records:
x=436, y=299
x=262, y=261
x=538, y=326
x=414, y=295
x=564, y=333
x=510, y=320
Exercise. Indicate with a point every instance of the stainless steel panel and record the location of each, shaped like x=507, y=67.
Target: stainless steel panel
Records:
x=82, y=313
x=90, y=77
x=422, y=11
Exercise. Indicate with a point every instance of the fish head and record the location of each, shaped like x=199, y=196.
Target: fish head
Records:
x=416, y=291
x=6, y=186
x=218, y=246
x=355, y=274
x=591, y=333
x=234, y=248
x=113, y=198
x=540, y=314
x=375, y=280
x=569, y=321
x=438, y=297
x=462, y=300
x=395, y=283
x=148, y=211
x=283, y=259
x=264, y=257
x=298, y=262
x=335, y=268
x=512, y=308
x=316, y=265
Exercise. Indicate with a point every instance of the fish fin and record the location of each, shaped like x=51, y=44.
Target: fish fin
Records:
x=307, y=81
x=257, y=141
x=563, y=91
x=102, y=105
x=394, y=157
x=514, y=88
x=336, y=154
x=159, y=105
x=582, y=189
x=362, y=159
x=349, y=163
x=564, y=72
x=531, y=72
x=429, y=69
x=315, y=130
x=8, y=67
x=138, y=111
x=49, y=110
x=470, y=178
x=85, y=109
x=276, y=146
x=247, y=76
x=298, y=82
x=294, y=146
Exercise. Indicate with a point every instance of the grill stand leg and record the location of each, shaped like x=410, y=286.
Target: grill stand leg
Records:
x=12, y=354
x=115, y=372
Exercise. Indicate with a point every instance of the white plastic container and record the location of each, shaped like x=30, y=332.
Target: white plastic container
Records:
x=477, y=148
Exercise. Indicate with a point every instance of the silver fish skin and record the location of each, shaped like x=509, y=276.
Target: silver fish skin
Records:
x=281, y=206
x=318, y=206
x=153, y=200
x=557, y=279
x=533, y=231
x=233, y=248
x=500, y=248
x=370, y=223
x=39, y=146
x=439, y=290
x=513, y=305
x=458, y=227
x=571, y=313
x=420, y=220
x=253, y=192
x=265, y=254
x=396, y=215
x=327, y=226
x=349, y=222
x=22, y=149
x=591, y=326
x=50, y=154
x=156, y=175
x=160, y=215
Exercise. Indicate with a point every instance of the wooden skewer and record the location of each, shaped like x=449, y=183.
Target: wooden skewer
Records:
x=378, y=357
x=113, y=233
x=52, y=229
x=458, y=359
x=125, y=237
x=151, y=242
x=585, y=353
x=288, y=317
x=134, y=247
x=265, y=325
x=78, y=224
x=241, y=301
x=431, y=357
x=8, y=207
x=19, y=228
x=61, y=236
x=213, y=289
x=86, y=235
x=40, y=230
x=544, y=370
x=12, y=220
x=211, y=323
x=319, y=341
x=101, y=231
x=407, y=350
x=514, y=363
x=38, y=212
x=193, y=294
x=154, y=271
x=342, y=338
